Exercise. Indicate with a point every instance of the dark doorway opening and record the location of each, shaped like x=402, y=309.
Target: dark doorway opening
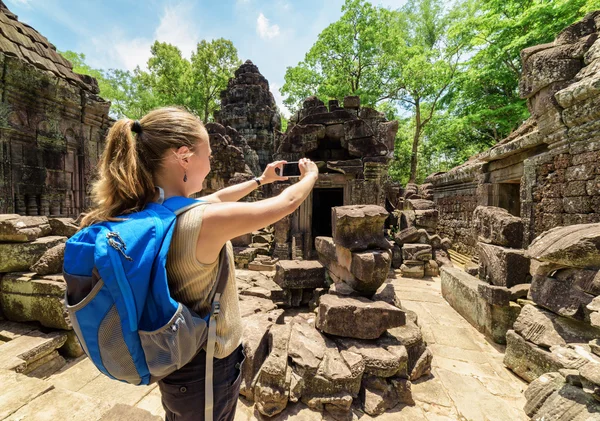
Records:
x=509, y=197
x=323, y=201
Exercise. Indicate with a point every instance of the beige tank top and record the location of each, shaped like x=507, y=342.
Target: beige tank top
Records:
x=190, y=281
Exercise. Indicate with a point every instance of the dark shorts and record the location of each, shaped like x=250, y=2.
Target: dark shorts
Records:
x=183, y=391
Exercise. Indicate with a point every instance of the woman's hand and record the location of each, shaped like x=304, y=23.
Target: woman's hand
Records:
x=307, y=167
x=270, y=176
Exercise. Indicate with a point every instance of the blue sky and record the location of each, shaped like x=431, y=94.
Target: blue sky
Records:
x=274, y=34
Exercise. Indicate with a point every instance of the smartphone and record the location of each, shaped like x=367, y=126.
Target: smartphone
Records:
x=290, y=169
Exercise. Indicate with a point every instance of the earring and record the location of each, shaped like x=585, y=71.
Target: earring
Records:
x=184, y=176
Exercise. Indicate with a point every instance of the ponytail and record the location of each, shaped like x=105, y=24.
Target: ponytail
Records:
x=129, y=162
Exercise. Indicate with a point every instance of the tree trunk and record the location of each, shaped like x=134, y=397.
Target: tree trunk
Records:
x=415, y=145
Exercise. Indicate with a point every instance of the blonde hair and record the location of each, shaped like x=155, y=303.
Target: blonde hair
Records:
x=129, y=163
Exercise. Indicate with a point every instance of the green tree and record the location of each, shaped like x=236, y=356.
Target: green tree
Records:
x=213, y=64
x=345, y=60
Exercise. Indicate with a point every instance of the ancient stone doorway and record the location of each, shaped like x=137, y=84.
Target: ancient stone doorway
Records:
x=509, y=197
x=322, y=202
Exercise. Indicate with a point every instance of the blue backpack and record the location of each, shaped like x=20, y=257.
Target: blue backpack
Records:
x=119, y=303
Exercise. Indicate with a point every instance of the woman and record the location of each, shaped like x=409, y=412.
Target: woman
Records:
x=169, y=148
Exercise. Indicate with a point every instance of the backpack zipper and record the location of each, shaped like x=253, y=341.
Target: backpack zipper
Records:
x=122, y=281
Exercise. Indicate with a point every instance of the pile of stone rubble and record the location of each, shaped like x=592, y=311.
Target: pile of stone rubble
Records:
x=418, y=250
x=360, y=347
x=555, y=342
x=32, y=289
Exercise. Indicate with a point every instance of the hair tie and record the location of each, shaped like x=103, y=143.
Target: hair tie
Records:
x=136, y=127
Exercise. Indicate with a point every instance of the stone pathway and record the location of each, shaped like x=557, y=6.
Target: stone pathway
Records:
x=468, y=380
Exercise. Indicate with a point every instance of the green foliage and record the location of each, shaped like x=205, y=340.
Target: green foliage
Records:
x=346, y=59
x=171, y=79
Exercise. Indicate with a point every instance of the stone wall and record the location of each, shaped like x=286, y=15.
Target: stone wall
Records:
x=547, y=171
x=52, y=125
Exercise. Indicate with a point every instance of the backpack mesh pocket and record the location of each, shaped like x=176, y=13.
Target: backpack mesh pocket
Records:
x=114, y=353
x=175, y=344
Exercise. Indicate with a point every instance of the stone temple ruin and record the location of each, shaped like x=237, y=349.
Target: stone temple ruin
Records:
x=52, y=125
x=514, y=234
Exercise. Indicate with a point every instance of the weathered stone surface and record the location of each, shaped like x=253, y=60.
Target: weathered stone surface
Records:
x=559, y=297
x=359, y=227
x=527, y=360
x=18, y=390
x=16, y=228
x=51, y=261
x=271, y=392
x=18, y=257
x=547, y=329
x=502, y=266
x=590, y=379
x=499, y=296
x=26, y=297
x=255, y=342
x=416, y=253
x=569, y=403
x=540, y=389
x=121, y=412
x=19, y=353
x=408, y=336
x=497, y=226
x=379, y=360
x=388, y=293
x=362, y=271
x=357, y=317
x=427, y=219
x=432, y=268
x=72, y=347
x=572, y=246
x=296, y=274
x=418, y=204
x=586, y=280
x=422, y=366
x=407, y=235
x=461, y=290
x=377, y=395
x=413, y=270
x=442, y=258
x=65, y=227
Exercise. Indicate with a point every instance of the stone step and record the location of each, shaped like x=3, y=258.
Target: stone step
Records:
x=18, y=390
x=61, y=404
x=18, y=353
x=121, y=412
x=462, y=259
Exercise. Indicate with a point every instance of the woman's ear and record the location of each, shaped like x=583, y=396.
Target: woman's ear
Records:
x=182, y=154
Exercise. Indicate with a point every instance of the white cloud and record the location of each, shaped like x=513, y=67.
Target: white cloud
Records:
x=116, y=50
x=264, y=29
x=26, y=3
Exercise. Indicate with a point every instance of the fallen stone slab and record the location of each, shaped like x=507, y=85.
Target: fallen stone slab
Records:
x=548, y=329
x=569, y=403
x=560, y=297
x=255, y=343
x=590, y=379
x=427, y=219
x=388, y=293
x=462, y=292
x=413, y=270
x=359, y=227
x=495, y=295
x=18, y=390
x=51, y=261
x=363, y=271
x=26, y=297
x=18, y=353
x=356, y=317
x=422, y=366
x=272, y=388
x=418, y=204
x=65, y=227
x=528, y=360
x=540, y=389
x=442, y=258
x=377, y=395
x=17, y=228
x=497, y=226
x=295, y=274
x=502, y=266
x=379, y=361
x=571, y=246
x=243, y=256
x=409, y=337
x=407, y=235
x=18, y=257
x=586, y=280
x=416, y=253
